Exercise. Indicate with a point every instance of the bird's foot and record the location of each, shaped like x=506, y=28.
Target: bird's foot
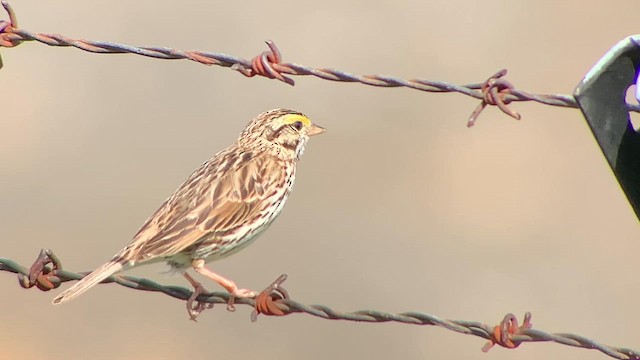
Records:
x=195, y=307
x=239, y=294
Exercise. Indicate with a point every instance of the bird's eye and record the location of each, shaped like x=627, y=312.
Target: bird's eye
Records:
x=297, y=125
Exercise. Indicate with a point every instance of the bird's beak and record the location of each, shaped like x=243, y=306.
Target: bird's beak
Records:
x=315, y=130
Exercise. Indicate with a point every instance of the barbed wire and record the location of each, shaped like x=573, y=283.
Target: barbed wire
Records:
x=493, y=91
x=46, y=273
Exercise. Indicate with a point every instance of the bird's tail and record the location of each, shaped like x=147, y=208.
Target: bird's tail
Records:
x=99, y=274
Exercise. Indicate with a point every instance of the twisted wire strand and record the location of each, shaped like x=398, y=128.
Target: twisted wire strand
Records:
x=508, y=334
x=269, y=64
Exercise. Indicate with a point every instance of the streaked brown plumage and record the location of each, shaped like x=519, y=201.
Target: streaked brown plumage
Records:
x=222, y=207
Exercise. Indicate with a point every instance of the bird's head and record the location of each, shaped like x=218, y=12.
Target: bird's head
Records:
x=281, y=131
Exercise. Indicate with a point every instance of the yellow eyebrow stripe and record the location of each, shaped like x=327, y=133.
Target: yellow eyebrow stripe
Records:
x=292, y=118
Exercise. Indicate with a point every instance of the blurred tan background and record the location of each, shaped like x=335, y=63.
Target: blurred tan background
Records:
x=398, y=207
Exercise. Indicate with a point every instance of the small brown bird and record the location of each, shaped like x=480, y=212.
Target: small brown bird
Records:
x=221, y=208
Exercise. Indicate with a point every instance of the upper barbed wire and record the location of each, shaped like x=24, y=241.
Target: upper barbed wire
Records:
x=46, y=273
x=494, y=91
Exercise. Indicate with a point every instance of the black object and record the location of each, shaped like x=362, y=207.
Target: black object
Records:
x=601, y=96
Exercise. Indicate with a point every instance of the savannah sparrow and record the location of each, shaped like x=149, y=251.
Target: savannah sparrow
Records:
x=221, y=208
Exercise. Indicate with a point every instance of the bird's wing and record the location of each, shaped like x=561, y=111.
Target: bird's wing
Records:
x=221, y=195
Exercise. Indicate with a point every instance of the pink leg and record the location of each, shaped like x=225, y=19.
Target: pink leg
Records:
x=229, y=285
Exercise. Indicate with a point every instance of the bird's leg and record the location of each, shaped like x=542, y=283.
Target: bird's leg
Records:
x=229, y=285
x=195, y=310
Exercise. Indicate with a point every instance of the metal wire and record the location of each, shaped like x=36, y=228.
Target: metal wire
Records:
x=46, y=273
x=493, y=91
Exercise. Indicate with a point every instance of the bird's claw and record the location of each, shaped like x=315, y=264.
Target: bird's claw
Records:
x=195, y=307
x=241, y=294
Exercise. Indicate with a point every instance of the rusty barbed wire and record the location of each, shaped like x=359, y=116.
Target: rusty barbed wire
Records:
x=47, y=273
x=494, y=91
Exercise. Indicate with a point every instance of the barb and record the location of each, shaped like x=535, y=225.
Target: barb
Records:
x=504, y=332
x=275, y=300
x=495, y=91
